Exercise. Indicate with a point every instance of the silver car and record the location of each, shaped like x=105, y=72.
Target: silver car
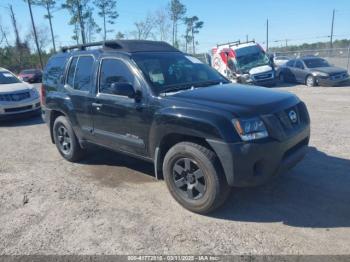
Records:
x=16, y=97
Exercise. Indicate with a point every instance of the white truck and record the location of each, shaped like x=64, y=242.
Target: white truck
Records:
x=244, y=63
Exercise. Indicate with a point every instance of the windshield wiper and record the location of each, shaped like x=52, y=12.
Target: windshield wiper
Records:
x=185, y=86
x=176, y=87
x=209, y=83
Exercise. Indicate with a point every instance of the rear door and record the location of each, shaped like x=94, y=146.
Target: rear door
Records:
x=79, y=83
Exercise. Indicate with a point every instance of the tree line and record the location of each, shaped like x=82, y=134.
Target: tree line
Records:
x=170, y=23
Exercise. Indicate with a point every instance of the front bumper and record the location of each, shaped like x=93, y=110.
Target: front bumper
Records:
x=14, y=108
x=329, y=82
x=251, y=164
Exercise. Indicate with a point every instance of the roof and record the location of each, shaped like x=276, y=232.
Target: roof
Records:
x=130, y=46
x=309, y=57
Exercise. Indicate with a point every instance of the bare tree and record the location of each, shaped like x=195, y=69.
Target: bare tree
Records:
x=91, y=28
x=15, y=26
x=177, y=12
x=79, y=10
x=193, y=25
x=162, y=23
x=120, y=35
x=49, y=5
x=41, y=32
x=108, y=12
x=144, y=28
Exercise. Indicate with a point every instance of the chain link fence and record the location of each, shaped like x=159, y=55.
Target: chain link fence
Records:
x=336, y=56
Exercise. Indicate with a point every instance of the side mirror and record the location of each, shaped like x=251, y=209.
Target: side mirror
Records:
x=123, y=89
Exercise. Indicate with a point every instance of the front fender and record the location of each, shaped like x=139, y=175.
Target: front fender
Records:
x=189, y=122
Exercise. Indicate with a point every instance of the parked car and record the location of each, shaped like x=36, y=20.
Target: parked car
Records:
x=16, y=97
x=31, y=75
x=280, y=60
x=245, y=63
x=312, y=71
x=146, y=99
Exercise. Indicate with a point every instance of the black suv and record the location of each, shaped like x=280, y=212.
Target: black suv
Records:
x=149, y=100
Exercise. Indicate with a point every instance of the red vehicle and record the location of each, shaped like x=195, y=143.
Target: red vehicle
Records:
x=31, y=75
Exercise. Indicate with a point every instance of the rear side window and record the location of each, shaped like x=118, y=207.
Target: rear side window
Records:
x=80, y=73
x=71, y=71
x=54, y=70
x=113, y=71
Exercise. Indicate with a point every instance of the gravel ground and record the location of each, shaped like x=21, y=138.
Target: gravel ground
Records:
x=112, y=204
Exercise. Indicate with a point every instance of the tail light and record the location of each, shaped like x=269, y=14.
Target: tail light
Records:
x=42, y=94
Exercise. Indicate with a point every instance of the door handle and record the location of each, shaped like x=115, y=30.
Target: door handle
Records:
x=96, y=105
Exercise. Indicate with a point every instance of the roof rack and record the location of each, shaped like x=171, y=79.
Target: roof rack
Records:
x=104, y=44
x=229, y=44
x=126, y=45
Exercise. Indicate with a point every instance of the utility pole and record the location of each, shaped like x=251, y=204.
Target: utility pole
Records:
x=35, y=35
x=332, y=29
x=267, y=35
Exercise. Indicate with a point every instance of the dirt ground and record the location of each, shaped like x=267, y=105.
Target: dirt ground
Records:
x=112, y=204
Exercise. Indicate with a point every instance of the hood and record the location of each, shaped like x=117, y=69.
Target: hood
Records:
x=329, y=70
x=260, y=69
x=13, y=88
x=241, y=100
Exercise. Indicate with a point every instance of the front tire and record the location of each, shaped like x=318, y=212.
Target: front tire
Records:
x=194, y=177
x=66, y=141
x=310, y=81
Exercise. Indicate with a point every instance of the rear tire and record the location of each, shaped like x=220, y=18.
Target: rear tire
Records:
x=310, y=81
x=66, y=141
x=194, y=177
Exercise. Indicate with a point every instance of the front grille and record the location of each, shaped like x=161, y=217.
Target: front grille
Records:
x=293, y=117
x=17, y=109
x=339, y=76
x=14, y=97
x=263, y=76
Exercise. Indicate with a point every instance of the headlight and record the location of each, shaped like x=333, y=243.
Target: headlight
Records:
x=320, y=74
x=250, y=129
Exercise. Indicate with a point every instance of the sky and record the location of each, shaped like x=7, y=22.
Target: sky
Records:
x=296, y=21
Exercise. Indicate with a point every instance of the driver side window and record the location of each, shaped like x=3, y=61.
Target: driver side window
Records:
x=113, y=71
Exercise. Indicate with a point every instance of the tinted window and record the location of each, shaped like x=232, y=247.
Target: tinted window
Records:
x=299, y=65
x=83, y=73
x=165, y=71
x=54, y=70
x=290, y=63
x=71, y=71
x=114, y=71
x=316, y=62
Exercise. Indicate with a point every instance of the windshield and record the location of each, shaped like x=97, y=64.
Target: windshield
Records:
x=250, y=57
x=8, y=78
x=316, y=62
x=175, y=71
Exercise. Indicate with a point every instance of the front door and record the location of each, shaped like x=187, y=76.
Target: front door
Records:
x=119, y=122
x=299, y=72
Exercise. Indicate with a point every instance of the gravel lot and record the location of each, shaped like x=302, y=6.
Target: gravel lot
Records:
x=112, y=204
